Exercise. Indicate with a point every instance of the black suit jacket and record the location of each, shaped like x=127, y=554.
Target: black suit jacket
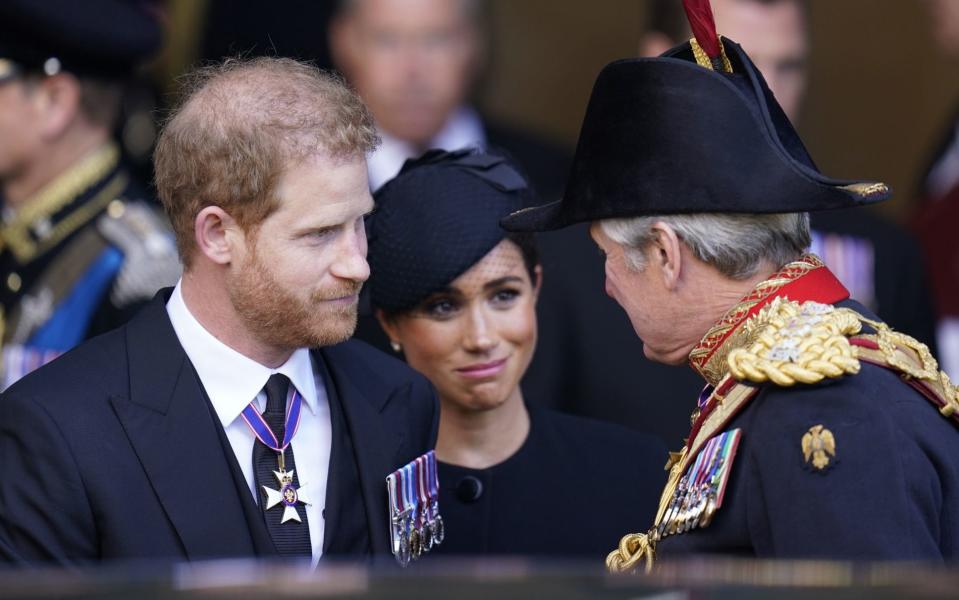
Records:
x=113, y=452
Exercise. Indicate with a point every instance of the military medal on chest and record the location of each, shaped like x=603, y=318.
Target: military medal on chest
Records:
x=415, y=522
x=695, y=491
x=287, y=494
x=701, y=489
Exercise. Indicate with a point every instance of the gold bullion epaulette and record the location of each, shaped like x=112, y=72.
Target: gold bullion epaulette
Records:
x=789, y=343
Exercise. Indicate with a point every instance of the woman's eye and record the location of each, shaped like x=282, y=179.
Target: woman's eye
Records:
x=439, y=309
x=503, y=297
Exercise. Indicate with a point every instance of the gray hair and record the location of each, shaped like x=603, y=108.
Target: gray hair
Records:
x=736, y=244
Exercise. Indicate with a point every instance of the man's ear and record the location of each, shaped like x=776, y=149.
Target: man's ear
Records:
x=57, y=99
x=665, y=252
x=216, y=234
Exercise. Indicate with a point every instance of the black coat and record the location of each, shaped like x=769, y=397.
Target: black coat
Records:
x=113, y=451
x=571, y=490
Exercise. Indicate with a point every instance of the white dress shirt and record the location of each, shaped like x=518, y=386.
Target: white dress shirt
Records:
x=232, y=381
x=464, y=129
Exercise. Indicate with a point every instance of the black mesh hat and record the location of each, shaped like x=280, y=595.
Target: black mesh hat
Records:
x=435, y=220
x=98, y=38
x=675, y=134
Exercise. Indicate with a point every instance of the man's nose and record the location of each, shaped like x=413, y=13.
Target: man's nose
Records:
x=350, y=262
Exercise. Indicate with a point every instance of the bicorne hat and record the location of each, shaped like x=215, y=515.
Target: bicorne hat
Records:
x=689, y=132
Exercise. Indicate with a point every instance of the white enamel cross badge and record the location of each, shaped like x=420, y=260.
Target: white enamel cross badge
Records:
x=288, y=495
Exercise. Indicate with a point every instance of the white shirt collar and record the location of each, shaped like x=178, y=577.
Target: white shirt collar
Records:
x=464, y=129
x=230, y=379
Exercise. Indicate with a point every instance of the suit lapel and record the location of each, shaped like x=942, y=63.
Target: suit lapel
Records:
x=175, y=437
x=375, y=446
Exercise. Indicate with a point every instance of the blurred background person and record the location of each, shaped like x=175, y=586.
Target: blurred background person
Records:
x=457, y=295
x=415, y=63
x=938, y=213
x=81, y=250
x=874, y=258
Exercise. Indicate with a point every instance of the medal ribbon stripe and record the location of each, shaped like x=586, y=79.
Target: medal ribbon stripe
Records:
x=263, y=432
x=704, y=462
x=421, y=488
x=729, y=453
x=434, y=478
x=414, y=492
x=395, y=500
x=408, y=489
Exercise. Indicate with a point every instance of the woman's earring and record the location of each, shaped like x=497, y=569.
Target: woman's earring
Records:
x=396, y=346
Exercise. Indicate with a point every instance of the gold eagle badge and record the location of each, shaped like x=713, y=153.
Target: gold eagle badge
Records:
x=819, y=446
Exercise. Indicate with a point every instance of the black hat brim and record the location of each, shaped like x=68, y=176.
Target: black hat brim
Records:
x=666, y=136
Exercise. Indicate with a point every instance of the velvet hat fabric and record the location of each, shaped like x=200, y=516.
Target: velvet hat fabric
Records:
x=97, y=38
x=667, y=136
x=435, y=220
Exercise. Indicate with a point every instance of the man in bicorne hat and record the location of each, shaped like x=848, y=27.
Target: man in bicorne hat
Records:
x=821, y=432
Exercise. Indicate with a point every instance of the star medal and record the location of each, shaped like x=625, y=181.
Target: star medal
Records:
x=288, y=495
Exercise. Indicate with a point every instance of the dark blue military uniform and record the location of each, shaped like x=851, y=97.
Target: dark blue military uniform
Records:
x=883, y=492
x=78, y=261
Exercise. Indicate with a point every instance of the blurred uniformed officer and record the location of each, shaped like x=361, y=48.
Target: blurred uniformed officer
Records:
x=79, y=249
x=821, y=432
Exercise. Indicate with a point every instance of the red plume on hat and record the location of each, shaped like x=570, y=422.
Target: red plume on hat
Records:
x=707, y=45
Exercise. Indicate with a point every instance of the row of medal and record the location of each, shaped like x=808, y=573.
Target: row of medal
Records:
x=701, y=490
x=415, y=521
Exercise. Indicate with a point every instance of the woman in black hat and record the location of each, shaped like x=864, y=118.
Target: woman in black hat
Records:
x=457, y=295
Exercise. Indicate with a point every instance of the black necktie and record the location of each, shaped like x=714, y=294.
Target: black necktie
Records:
x=293, y=537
